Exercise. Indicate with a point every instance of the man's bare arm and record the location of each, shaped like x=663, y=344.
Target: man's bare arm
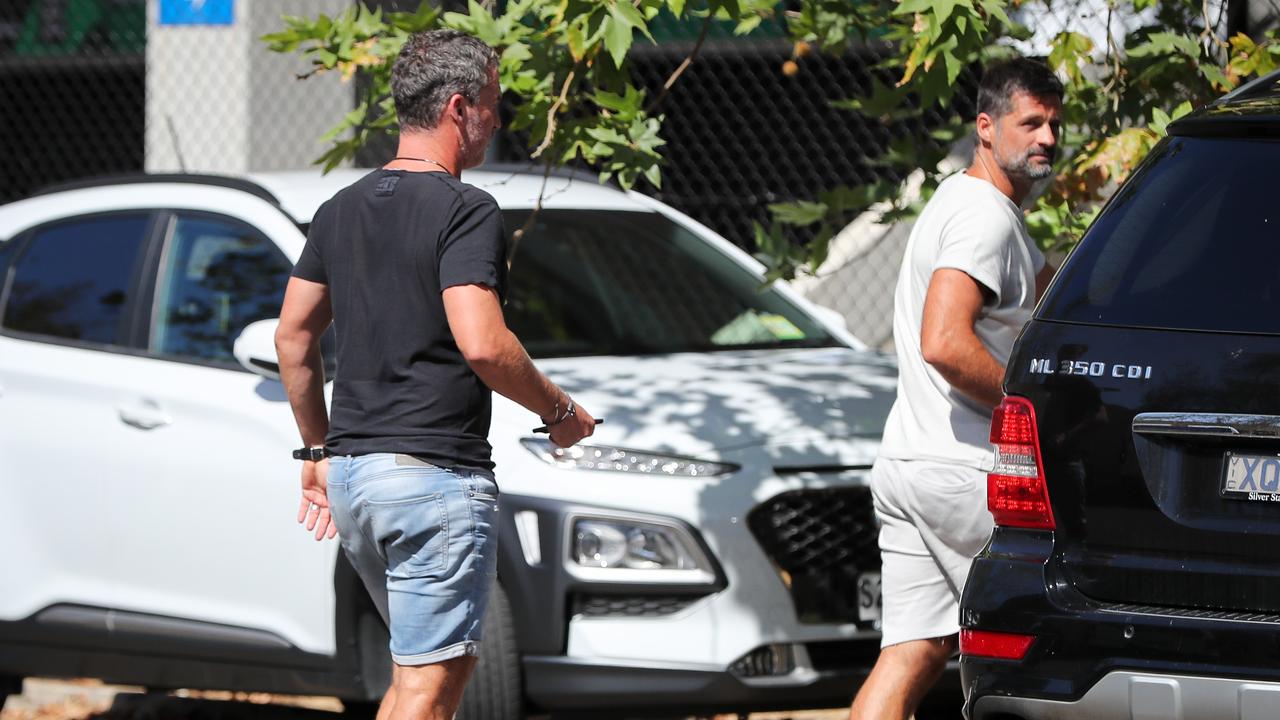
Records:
x=303, y=318
x=949, y=343
x=498, y=358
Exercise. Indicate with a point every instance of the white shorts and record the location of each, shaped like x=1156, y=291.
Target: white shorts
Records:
x=934, y=520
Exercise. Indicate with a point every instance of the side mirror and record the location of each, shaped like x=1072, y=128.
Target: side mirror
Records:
x=255, y=348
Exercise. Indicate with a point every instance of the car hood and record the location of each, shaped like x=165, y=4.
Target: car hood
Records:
x=711, y=404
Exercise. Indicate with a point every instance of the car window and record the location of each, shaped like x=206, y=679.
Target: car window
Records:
x=607, y=282
x=216, y=277
x=1192, y=242
x=73, y=280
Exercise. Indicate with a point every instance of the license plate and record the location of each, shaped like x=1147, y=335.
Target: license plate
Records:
x=1251, y=477
x=869, y=602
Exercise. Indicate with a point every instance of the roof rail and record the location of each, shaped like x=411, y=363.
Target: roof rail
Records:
x=1258, y=86
x=224, y=181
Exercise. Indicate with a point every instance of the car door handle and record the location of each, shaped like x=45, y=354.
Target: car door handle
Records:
x=144, y=415
x=1208, y=425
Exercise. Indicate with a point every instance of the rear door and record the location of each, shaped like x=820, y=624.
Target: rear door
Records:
x=1154, y=367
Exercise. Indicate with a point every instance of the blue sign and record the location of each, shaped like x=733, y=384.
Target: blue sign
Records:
x=197, y=12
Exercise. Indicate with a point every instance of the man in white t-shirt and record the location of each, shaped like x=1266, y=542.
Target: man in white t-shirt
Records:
x=969, y=280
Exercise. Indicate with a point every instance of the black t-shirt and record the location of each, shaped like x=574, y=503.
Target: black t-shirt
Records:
x=387, y=246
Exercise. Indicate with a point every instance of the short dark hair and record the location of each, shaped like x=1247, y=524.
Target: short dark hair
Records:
x=432, y=67
x=1004, y=79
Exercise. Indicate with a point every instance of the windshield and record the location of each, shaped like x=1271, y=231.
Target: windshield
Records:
x=1188, y=243
x=609, y=282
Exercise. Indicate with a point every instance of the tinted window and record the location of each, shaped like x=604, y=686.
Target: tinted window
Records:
x=618, y=283
x=1193, y=242
x=73, y=280
x=217, y=277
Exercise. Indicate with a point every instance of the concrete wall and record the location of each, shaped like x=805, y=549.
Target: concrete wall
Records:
x=219, y=102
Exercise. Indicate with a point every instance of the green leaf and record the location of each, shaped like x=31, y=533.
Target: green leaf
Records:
x=954, y=67
x=624, y=10
x=1159, y=121
x=801, y=212
x=677, y=7
x=747, y=25
x=617, y=38
x=731, y=8
x=1068, y=51
x=653, y=174
x=1215, y=75
x=911, y=7
x=942, y=9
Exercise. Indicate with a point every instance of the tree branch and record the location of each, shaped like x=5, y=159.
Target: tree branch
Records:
x=551, y=114
x=675, y=75
x=518, y=235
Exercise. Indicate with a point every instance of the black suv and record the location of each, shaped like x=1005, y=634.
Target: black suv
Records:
x=1134, y=571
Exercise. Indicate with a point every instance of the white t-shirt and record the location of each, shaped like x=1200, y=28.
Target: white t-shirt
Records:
x=970, y=226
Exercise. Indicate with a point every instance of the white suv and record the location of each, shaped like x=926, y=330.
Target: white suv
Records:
x=713, y=547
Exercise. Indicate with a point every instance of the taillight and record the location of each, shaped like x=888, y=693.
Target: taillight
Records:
x=1016, y=490
x=998, y=645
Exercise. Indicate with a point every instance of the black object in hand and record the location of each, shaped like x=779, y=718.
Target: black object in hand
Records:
x=545, y=429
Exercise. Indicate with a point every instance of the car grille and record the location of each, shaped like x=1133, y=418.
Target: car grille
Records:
x=631, y=605
x=820, y=540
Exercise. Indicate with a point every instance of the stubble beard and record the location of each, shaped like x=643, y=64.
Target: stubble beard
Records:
x=1022, y=166
x=475, y=141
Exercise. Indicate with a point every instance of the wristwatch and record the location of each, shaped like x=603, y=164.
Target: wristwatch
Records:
x=314, y=454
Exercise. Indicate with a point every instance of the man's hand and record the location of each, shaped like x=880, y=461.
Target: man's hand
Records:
x=315, y=500
x=573, y=428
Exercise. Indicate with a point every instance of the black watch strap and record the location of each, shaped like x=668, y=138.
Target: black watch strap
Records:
x=313, y=454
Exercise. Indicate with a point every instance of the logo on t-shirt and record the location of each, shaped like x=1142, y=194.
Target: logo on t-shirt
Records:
x=386, y=186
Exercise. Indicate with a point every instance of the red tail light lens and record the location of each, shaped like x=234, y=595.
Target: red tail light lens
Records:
x=998, y=645
x=1016, y=492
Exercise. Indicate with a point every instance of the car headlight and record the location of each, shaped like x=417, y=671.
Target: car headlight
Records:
x=615, y=459
x=625, y=549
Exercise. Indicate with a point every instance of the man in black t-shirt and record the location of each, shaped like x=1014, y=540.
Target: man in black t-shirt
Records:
x=409, y=265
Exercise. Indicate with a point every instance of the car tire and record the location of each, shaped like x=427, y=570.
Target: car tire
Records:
x=495, y=691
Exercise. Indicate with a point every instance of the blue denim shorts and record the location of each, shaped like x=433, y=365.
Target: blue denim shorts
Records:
x=425, y=542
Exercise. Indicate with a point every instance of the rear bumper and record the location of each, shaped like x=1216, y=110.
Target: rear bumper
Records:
x=598, y=688
x=1095, y=660
x=1125, y=695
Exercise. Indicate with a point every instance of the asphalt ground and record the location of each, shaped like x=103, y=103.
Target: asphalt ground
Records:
x=92, y=700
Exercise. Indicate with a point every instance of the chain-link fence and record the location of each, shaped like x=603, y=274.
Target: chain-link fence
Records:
x=72, y=91
x=90, y=87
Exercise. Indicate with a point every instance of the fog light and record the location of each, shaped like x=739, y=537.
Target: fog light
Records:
x=766, y=661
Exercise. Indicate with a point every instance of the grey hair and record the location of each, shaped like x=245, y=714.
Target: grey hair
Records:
x=1002, y=80
x=434, y=66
